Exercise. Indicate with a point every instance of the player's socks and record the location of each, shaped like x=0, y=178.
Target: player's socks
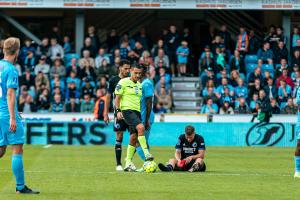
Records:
x=143, y=143
x=130, y=152
x=297, y=164
x=118, y=151
x=165, y=168
x=140, y=152
x=18, y=170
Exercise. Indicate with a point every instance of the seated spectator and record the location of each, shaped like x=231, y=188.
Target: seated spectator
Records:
x=56, y=50
x=206, y=63
x=145, y=59
x=267, y=75
x=297, y=47
x=255, y=88
x=86, y=59
x=164, y=101
x=56, y=90
x=265, y=54
x=57, y=82
x=159, y=46
x=27, y=80
x=87, y=105
x=162, y=84
x=211, y=94
x=237, y=63
x=41, y=82
x=182, y=53
x=26, y=103
x=58, y=68
x=67, y=45
x=216, y=43
x=253, y=76
x=221, y=88
x=219, y=60
x=30, y=62
x=274, y=107
x=43, y=48
x=234, y=78
x=295, y=36
x=295, y=60
x=209, y=107
x=286, y=78
x=209, y=83
x=101, y=56
x=42, y=66
x=73, y=67
x=293, y=74
x=162, y=73
x=283, y=65
x=106, y=70
x=207, y=51
x=102, y=83
x=87, y=88
x=226, y=109
x=280, y=52
x=88, y=71
x=99, y=105
x=270, y=89
x=115, y=56
x=88, y=46
x=72, y=91
x=221, y=75
x=209, y=75
x=297, y=80
x=226, y=97
x=25, y=49
x=253, y=102
x=290, y=108
x=242, y=107
x=72, y=106
x=73, y=78
x=241, y=90
x=284, y=91
x=43, y=101
x=57, y=106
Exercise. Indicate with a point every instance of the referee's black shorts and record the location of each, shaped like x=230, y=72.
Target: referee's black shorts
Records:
x=132, y=119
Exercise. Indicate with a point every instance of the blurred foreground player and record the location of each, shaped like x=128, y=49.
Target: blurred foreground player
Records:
x=119, y=125
x=11, y=127
x=297, y=152
x=189, y=154
x=128, y=106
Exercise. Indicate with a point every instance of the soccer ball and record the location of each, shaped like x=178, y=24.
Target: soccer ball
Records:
x=150, y=167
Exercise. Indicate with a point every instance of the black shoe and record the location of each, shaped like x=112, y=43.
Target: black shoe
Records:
x=26, y=190
x=164, y=168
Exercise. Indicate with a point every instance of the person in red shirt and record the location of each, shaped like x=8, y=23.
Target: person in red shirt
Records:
x=285, y=77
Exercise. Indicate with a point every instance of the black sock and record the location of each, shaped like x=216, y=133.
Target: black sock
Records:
x=170, y=167
x=118, y=151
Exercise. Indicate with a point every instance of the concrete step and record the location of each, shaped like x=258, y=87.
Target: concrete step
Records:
x=186, y=103
x=188, y=94
x=198, y=99
x=187, y=109
x=186, y=79
x=185, y=85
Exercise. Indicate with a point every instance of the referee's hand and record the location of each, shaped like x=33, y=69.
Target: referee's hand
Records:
x=119, y=116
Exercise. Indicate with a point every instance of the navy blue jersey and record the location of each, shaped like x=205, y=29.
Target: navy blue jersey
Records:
x=190, y=148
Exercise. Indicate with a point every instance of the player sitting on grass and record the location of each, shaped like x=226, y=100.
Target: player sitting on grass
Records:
x=189, y=154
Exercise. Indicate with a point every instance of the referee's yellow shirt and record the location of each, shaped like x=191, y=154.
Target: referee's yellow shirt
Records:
x=131, y=94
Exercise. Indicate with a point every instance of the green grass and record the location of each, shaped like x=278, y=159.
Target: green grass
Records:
x=88, y=172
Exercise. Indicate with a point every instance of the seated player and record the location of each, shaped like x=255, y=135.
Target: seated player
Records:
x=189, y=154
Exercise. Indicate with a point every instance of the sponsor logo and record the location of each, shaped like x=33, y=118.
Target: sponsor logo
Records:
x=265, y=134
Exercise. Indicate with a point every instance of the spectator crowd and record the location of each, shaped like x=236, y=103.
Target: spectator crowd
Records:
x=239, y=74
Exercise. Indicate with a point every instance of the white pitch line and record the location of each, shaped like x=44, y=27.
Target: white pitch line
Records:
x=158, y=173
x=47, y=146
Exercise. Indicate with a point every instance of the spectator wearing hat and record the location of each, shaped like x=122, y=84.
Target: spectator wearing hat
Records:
x=100, y=57
x=226, y=109
x=280, y=52
x=290, y=108
x=265, y=54
x=58, y=68
x=42, y=66
x=87, y=105
x=57, y=106
x=209, y=107
x=72, y=106
x=56, y=50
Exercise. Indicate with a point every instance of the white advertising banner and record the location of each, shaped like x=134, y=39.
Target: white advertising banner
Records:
x=155, y=4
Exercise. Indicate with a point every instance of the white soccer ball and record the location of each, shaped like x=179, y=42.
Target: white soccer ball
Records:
x=150, y=167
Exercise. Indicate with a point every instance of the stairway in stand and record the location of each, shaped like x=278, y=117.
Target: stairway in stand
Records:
x=186, y=95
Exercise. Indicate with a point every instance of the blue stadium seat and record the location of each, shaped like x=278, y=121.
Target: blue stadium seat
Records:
x=250, y=67
x=268, y=67
x=251, y=59
x=68, y=58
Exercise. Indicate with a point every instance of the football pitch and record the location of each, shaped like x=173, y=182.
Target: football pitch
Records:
x=88, y=172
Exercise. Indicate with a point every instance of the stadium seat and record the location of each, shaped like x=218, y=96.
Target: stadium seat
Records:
x=251, y=59
x=268, y=67
x=250, y=67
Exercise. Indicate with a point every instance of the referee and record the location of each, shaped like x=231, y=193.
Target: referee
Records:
x=128, y=106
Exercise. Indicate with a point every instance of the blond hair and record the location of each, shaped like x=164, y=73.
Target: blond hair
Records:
x=11, y=46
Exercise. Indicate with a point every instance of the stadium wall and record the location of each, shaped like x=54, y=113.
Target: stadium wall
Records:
x=163, y=133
